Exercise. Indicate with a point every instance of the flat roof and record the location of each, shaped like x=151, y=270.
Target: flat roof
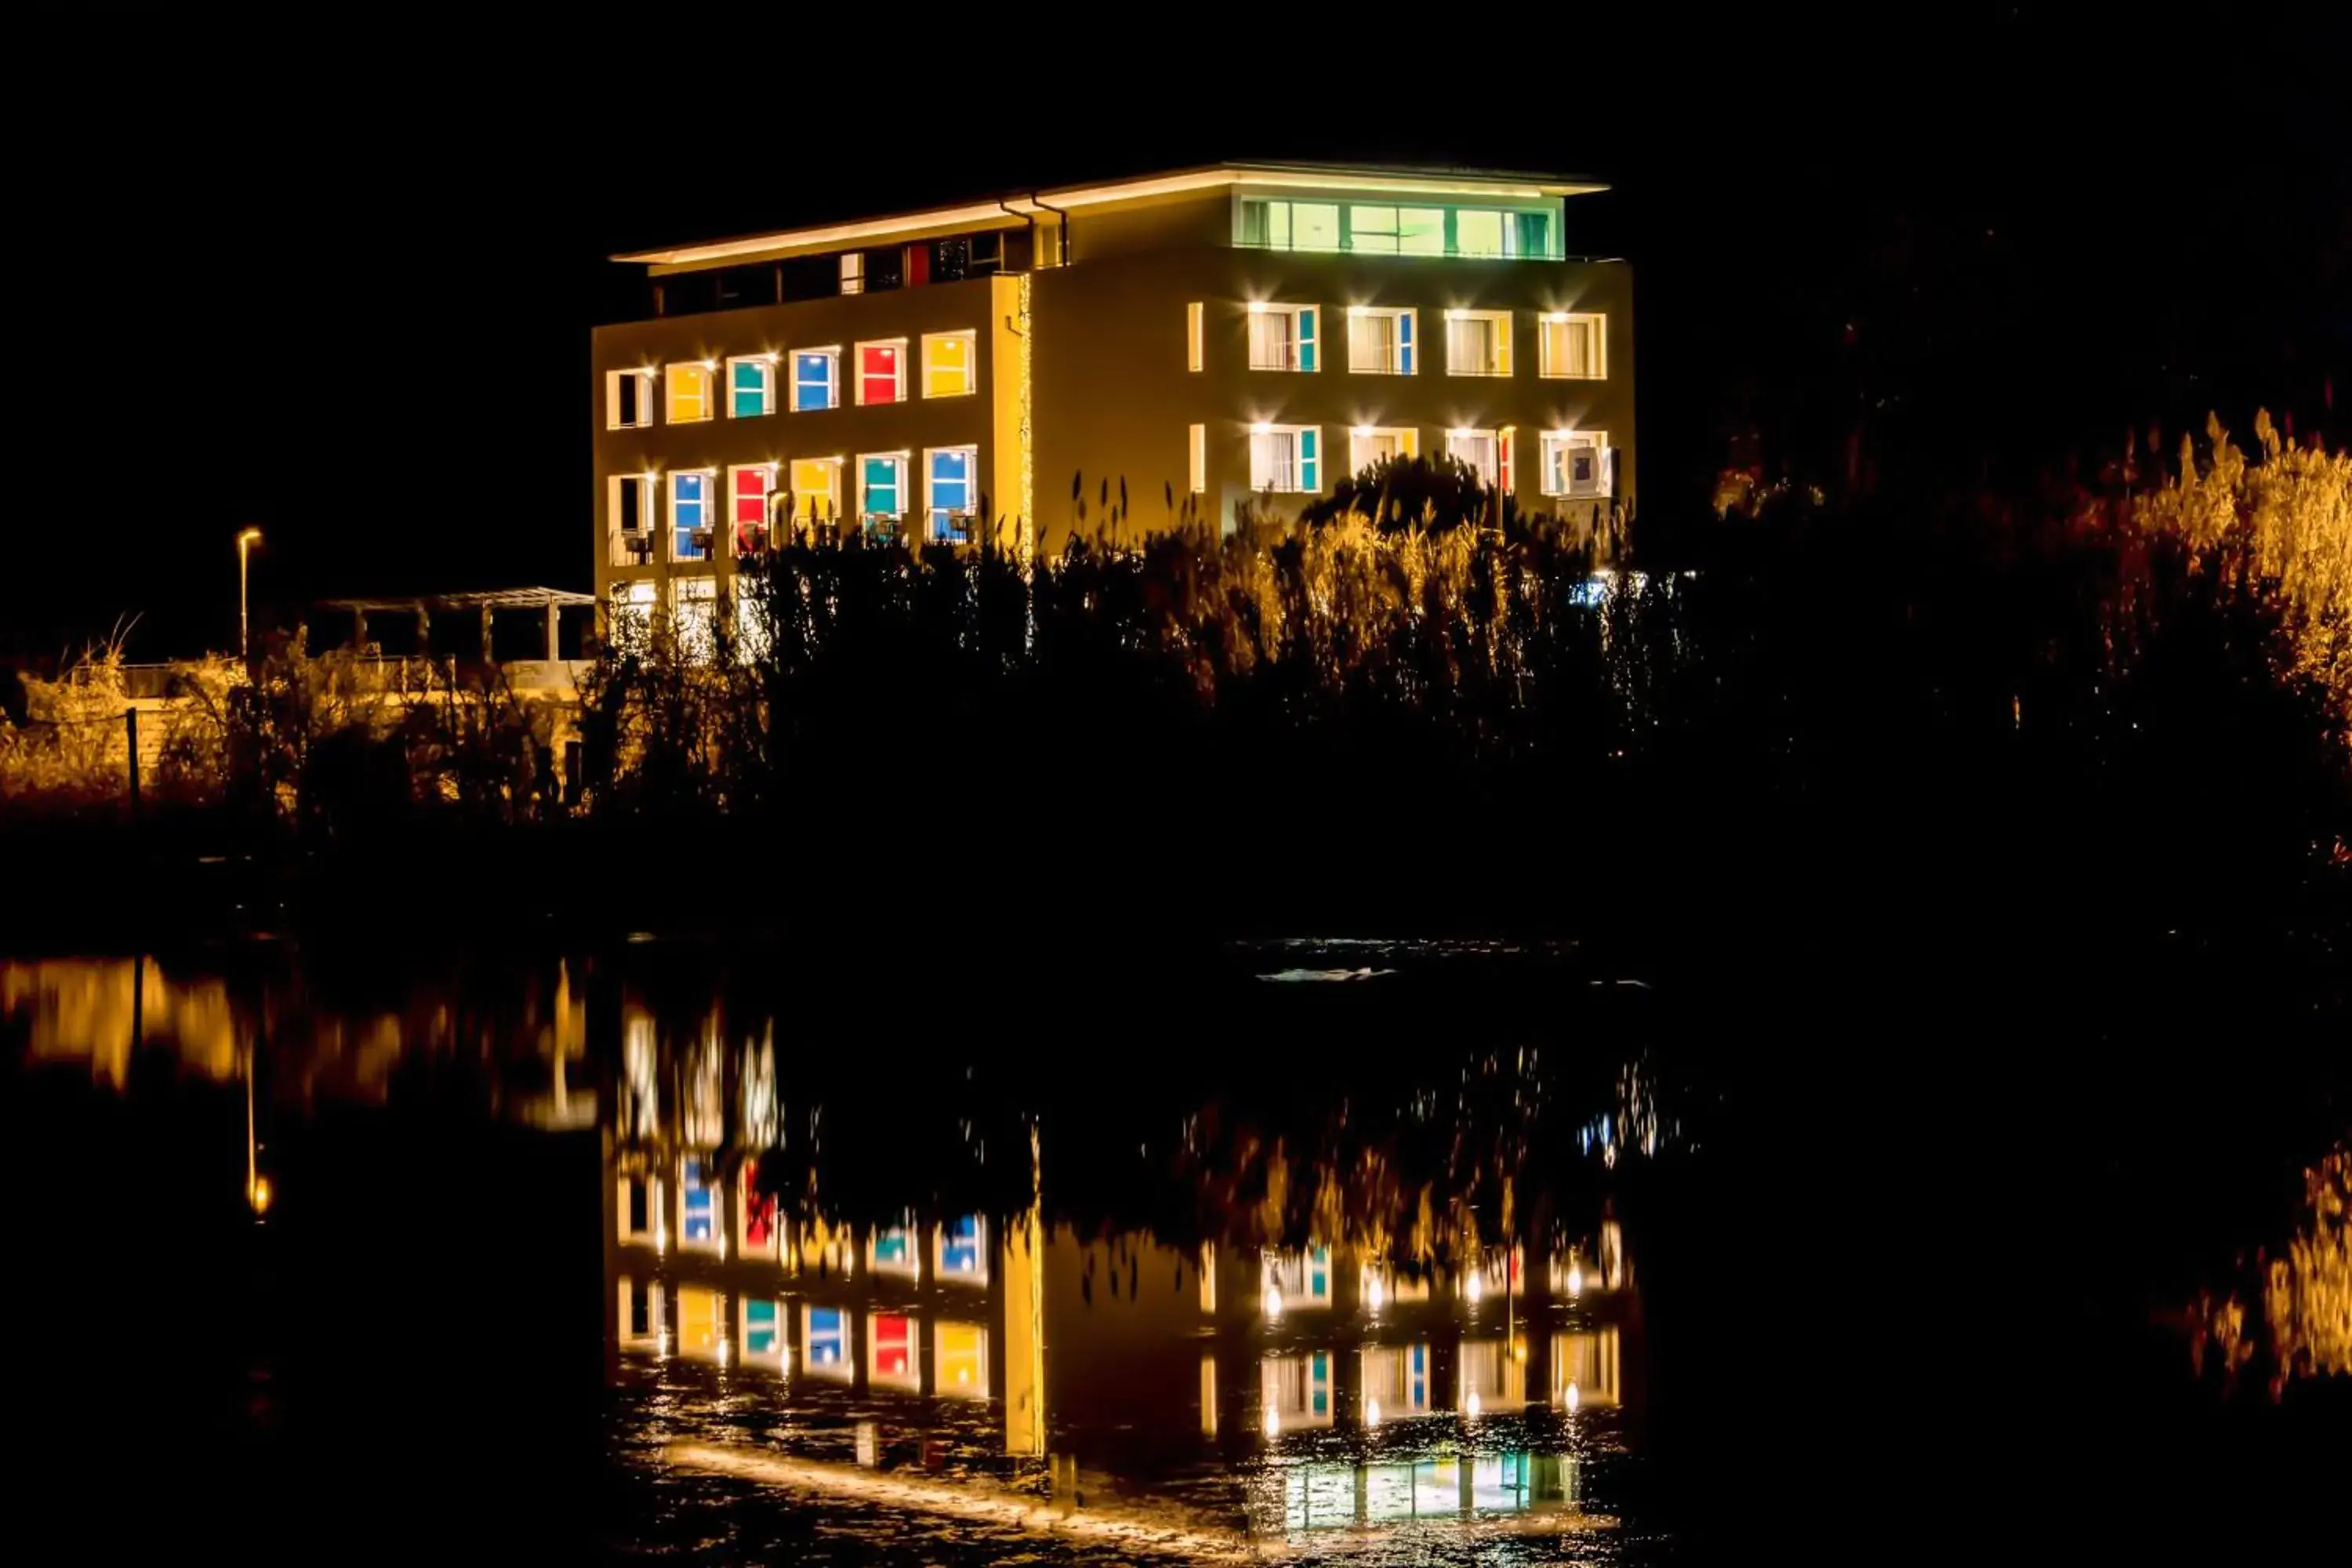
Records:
x=1019, y=206
x=485, y=599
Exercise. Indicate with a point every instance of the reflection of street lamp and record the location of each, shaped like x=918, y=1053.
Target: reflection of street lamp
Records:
x=256, y=1185
x=245, y=540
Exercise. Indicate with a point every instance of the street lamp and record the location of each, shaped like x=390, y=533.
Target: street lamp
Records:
x=245, y=540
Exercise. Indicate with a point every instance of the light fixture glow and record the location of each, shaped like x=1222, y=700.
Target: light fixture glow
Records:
x=1371, y=1412
x=1374, y=1292
x=260, y=1195
x=1575, y=1279
x=1556, y=317
x=1476, y=1406
x=1458, y=432
x=1570, y=1397
x=1362, y=430
x=1257, y=306
x=1273, y=1302
x=1359, y=310
x=1474, y=1287
x=1273, y=1421
x=1262, y=428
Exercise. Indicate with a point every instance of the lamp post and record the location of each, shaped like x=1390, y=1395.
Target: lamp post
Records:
x=245, y=540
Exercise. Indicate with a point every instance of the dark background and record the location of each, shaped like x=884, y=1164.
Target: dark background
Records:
x=336, y=278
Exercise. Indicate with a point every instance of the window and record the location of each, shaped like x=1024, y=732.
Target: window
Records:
x=1381, y=341
x=950, y=479
x=751, y=386
x=824, y=1342
x=1281, y=337
x=1530, y=234
x=890, y=1351
x=1477, y=450
x=763, y=1231
x=638, y=1200
x=1193, y=357
x=748, y=489
x=1370, y=444
x=882, y=490
x=963, y=1251
x=1285, y=459
x=853, y=273
x=690, y=515
x=882, y=371
x=1477, y=343
x=1395, y=1381
x=1572, y=345
x=816, y=379
x=1291, y=225
x=962, y=1357
x=1197, y=457
x=641, y=1314
x=628, y=399
x=949, y=364
x=1295, y=1391
x=1576, y=463
x=1397, y=231
x=1478, y=234
x=816, y=489
x=697, y=1208
x=761, y=1332
x=700, y=1320
x=629, y=506
x=690, y=400
x=892, y=1251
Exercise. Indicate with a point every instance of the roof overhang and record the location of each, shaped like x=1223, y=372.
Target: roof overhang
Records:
x=1016, y=210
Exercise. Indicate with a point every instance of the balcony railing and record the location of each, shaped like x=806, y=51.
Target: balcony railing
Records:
x=631, y=547
x=1454, y=253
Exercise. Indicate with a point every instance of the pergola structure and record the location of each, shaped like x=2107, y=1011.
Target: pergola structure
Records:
x=549, y=601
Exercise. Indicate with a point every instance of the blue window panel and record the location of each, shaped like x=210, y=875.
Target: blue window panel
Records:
x=951, y=491
x=690, y=510
x=1404, y=344
x=1321, y=1375
x=812, y=382
x=828, y=1336
x=960, y=1253
x=750, y=390
x=701, y=1212
x=1306, y=339
x=1310, y=469
x=759, y=1328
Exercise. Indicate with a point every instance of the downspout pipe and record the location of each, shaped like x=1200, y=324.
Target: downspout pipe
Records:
x=1061, y=245
x=1032, y=217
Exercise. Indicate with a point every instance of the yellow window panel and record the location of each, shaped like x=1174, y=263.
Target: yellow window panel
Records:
x=947, y=364
x=689, y=393
x=698, y=1321
x=816, y=489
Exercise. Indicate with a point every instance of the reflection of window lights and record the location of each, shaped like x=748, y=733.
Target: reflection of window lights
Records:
x=1395, y=1382
x=882, y=371
x=816, y=379
x=641, y=1315
x=1584, y=1369
x=1286, y=459
x=963, y=1250
x=701, y=1317
x=763, y=1231
x=959, y=1361
x=639, y=1199
x=951, y=477
x=690, y=400
x=697, y=1209
x=762, y=1333
x=1572, y=346
x=948, y=363
x=892, y=1251
x=1300, y=1278
x=751, y=386
x=1281, y=337
x=1295, y=1391
x=824, y=1342
x=890, y=1359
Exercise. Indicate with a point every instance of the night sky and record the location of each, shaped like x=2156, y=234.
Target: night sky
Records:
x=340, y=284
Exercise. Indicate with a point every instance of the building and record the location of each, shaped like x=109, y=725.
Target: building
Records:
x=1125, y=355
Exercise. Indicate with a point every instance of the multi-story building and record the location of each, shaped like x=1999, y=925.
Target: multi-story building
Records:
x=1128, y=355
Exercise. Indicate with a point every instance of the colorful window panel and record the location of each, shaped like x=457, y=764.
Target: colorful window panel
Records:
x=1507, y=445
x=824, y=1341
x=697, y=1207
x=763, y=1331
x=891, y=1358
x=689, y=392
x=881, y=373
x=750, y=488
x=816, y=489
x=893, y=1250
x=961, y=1369
x=750, y=387
x=948, y=369
x=689, y=516
x=699, y=1330
x=816, y=379
x=951, y=481
x=882, y=489
x=760, y=1228
x=964, y=1249
x=1319, y=1274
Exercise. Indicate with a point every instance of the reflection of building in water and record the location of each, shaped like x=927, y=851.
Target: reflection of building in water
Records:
x=1320, y=1496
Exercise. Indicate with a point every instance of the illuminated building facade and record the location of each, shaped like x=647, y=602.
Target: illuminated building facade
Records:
x=1122, y=356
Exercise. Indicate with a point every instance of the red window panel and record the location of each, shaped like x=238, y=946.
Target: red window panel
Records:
x=758, y=1209
x=917, y=270
x=751, y=496
x=892, y=1345
x=878, y=368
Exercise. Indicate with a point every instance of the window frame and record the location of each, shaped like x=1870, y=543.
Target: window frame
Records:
x=736, y=497
x=1305, y=464
x=1407, y=438
x=941, y=1366
x=1305, y=342
x=709, y=477
x=865, y=513
x=1195, y=336
x=969, y=339
x=708, y=371
x=766, y=365
x=832, y=492
x=853, y=272
x=1404, y=338
x=1492, y=479
x=1500, y=331
x=910, y=1376
x=978, y=1274
x=932, y=511
x=1555, y=445
x=1596, y=322
x=841, y=1368
x=648, y=381
x=649, y=510
x=831, y=355
x=778, y=1356
x=896, y=348
x=1196, y=442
